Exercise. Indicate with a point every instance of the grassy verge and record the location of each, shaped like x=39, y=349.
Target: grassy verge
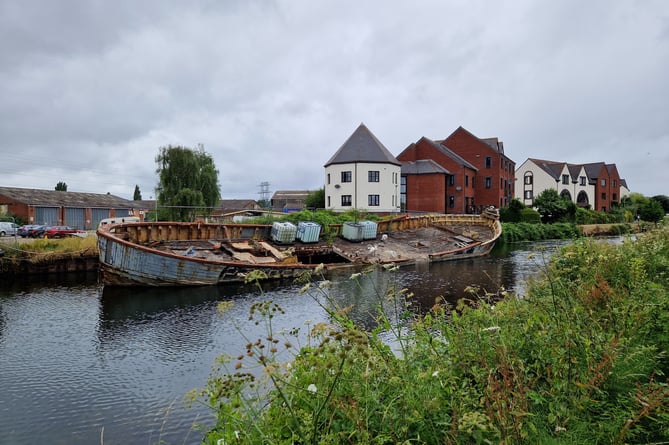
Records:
x=514, y=232
x=582, y=358
x=40, y=250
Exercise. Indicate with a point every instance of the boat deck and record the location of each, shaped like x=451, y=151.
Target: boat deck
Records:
x=402, y=246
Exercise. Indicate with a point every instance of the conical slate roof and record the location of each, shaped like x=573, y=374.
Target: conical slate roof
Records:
x=362, y=146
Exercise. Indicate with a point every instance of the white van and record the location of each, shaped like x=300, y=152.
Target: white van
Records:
x=8, y=228
x=118, y=220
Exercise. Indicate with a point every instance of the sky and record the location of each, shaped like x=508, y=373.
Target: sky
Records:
x=90, y=90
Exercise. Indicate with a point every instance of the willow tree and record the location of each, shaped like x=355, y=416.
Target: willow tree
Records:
x=188, y=183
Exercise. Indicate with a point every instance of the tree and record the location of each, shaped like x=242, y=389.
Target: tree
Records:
x=651, y=211
x=551, y=206
x=188, y=182
x=315, y=199
x=61, y=186
x=663, y=200
x=137, y=196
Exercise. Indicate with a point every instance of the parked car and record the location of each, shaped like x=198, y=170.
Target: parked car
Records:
x=24, y=231
x=8, y=228
x=37, y=231
x=63, y=231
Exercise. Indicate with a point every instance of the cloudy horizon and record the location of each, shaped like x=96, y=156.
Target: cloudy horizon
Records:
x=271, y=89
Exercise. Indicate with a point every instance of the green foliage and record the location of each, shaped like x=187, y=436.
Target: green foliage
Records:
x=512, y=212
x=582, y=358
x=137, y=195
x=663, y=200
x=551, y=206
x=61, y=187
x=530, y=216
x=651, y=211
x=514, y=232
x=188, y=183
x=315, y=199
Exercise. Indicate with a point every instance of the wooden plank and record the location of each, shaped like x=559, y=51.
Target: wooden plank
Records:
x=273, y=250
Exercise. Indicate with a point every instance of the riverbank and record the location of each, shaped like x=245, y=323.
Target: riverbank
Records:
x=515, y=232
x=28, y=256
x=582, y=358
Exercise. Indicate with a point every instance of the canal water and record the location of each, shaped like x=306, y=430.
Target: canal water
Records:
x=84, y=364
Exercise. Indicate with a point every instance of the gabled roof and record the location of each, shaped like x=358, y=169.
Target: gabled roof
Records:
x=422, y=167
x=362, y=146
x=554, y=169
x=236, y=204
x=36, y=197
x=593, y=169
x=291, y=194
x=453, y=155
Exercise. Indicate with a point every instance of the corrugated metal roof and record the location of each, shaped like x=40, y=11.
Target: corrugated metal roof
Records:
x=54, y=198
x=362, y=146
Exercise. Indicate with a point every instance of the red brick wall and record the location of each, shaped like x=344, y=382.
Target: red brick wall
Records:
x=426, y=193
x=501, y=172
x=462, y=190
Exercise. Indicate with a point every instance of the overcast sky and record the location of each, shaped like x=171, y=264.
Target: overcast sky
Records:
x=90, y=90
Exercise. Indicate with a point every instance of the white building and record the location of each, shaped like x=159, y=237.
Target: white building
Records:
x=363, y=174
x=595, y=185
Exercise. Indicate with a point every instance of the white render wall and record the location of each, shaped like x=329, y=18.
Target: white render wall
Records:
x=542, y=180
x=388, y=187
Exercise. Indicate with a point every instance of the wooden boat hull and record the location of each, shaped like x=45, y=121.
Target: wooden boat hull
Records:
x=129, y=256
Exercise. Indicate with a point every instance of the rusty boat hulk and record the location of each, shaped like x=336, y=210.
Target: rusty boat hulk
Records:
x=196, y=254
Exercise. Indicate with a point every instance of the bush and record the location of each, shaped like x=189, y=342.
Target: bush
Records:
x=531, y=216
x=582, y=358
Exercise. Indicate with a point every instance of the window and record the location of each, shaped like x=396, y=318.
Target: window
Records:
x=565, y=179
x=373, y=200
x=451, y=201
x=603, y=196
x=373, y=176
x=466, y=180
x=403, y=193
x=346, y=200
x=451, y=179
x=614, y=197
x=615, y=183
x=328, y=178
x=528, y=179
x=488, y=182
x=603, y=182
x=582, y=180
x=488, y=162
x=346, y=176
x=328, y=201
x=528, y=194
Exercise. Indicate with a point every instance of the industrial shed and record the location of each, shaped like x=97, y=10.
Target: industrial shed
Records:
x=51, y=207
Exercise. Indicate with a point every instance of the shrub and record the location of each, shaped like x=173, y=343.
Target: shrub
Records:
x=528, y=215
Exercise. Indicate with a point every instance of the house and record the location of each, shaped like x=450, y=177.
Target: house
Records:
x=436, y=179
x=595, y=185
x=495, y=179
x=287, y=201
x=363, y=174
x=51, y=207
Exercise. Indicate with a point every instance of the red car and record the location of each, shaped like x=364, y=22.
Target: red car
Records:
x=63, y=231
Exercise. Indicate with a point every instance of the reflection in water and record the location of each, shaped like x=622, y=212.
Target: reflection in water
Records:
x=76, y=358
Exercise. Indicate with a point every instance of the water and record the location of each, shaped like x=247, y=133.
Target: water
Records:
x=83, y=364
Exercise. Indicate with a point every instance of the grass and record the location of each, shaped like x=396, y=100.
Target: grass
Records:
x=582, y=358
x=42, y=249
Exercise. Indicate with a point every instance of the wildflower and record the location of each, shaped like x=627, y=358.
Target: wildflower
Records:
x=492, y=329
x=435, y=374
x=324, y=284
x=319, y=268
x=305, y=288
x=312, y=388
x=355, y=276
